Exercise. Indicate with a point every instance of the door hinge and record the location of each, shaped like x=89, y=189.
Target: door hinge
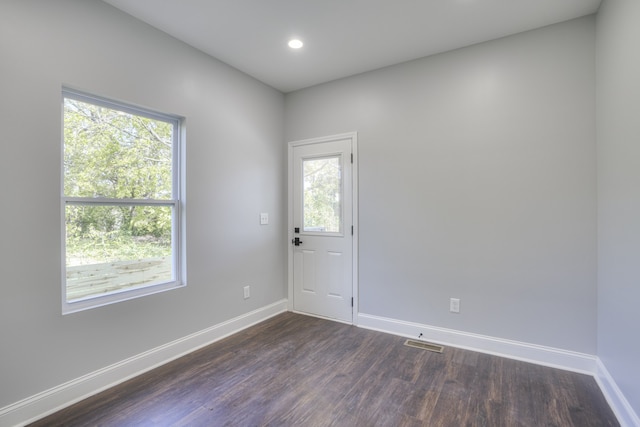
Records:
x=352, y=230
x=351, y=301
x=351, y=157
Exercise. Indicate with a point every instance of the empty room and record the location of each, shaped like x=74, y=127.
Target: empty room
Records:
x=347, y=213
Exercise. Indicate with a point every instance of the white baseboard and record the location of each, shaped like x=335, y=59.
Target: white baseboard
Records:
x=619, y=404
x=52, y=400
x=541, y=355
x=59, y=397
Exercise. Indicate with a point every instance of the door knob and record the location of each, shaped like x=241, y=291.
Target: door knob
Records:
x=296, y=241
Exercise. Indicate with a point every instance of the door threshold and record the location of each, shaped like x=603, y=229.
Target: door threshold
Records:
x=346, y=322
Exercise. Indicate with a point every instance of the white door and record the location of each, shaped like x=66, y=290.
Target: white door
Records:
x=322, y=239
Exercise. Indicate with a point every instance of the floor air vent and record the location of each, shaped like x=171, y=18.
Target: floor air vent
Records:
x=424, y=345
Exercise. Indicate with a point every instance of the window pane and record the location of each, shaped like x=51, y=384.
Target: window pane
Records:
x=110, y=153
x=121, y=197
x=322, y=195
x=111, y=248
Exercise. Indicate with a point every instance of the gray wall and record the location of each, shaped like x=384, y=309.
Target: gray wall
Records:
x=235, y=163
x=477, y=181
x=618, y=69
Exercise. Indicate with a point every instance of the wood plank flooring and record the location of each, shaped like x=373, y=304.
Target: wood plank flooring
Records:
x=295, y=370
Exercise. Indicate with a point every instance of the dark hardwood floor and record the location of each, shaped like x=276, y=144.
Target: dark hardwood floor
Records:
x=295, y=370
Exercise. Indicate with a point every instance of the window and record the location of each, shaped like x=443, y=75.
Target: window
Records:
x=121, y=202
x=322, y=188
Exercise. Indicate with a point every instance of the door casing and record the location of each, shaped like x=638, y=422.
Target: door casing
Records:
x=353, y=136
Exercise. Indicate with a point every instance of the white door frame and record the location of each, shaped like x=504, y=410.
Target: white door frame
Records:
x=353, y=136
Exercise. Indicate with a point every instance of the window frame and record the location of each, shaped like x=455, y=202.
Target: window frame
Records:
x=178, y=279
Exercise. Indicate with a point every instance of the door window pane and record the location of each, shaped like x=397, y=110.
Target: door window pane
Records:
x=322, y=204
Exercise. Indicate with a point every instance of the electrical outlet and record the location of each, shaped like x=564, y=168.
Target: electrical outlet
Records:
x=454, y=305
x=247, y=292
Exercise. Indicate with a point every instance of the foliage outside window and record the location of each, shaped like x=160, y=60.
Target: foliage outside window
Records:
x=121, y=202
x=322, y=190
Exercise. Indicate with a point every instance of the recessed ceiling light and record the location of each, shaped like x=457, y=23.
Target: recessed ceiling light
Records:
x=295, y=44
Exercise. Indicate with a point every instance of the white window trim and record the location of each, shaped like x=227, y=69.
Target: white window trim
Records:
x=176, y=202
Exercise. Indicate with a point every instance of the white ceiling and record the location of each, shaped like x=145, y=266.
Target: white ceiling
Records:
x=342, y=37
